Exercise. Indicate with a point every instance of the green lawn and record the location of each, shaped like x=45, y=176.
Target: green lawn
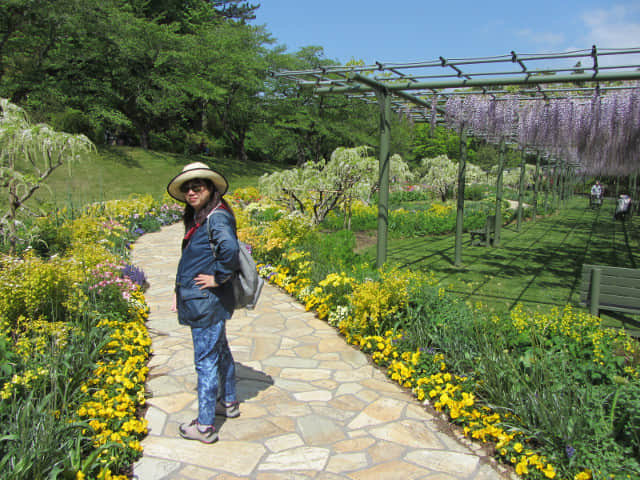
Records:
x=118, y=172
x=538, y=266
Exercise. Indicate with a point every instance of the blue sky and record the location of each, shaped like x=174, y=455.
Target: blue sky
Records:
x=417, y=30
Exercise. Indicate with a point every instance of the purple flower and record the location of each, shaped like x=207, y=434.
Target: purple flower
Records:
x=139, y=231
x=570, y=451
x=135, y=274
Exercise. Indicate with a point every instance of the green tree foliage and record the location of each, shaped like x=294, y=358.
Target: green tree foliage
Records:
x=300, y=126
x=486, y=156
x=431, y=142
x=169, y=74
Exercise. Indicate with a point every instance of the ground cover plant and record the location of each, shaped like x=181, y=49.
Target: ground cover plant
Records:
x=74, y=345
x=543, y=387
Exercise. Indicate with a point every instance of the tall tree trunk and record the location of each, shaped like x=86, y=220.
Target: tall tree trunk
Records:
x=204, y=119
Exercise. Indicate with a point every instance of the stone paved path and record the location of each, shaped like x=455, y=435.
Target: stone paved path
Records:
x=312, y=406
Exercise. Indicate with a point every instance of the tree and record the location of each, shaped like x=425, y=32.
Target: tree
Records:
x=308, y=127
x=441, y=174
x=431, y=143
x=316, y=188
x=28, y=156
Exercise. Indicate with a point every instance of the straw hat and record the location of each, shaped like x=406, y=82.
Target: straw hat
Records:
x=191, y=172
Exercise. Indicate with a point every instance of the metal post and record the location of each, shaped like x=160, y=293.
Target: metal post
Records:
x=554, y=189
x=498, y=214
x=594, y=292
x=523, y=168
x=536, y=187
x=384, y=100
x=462, y=165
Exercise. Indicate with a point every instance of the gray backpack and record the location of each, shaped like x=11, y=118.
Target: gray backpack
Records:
x=247, y=284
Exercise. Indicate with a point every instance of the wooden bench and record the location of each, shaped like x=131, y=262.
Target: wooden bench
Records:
x=484, y=235
x=610, y=288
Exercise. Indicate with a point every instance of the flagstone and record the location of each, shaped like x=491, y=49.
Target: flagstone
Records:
x=174, y=402
x=157, y=359
x=293, y=385
x=348, y=388
x=323, y=409
x=347, y=462
x=380, y=411
x=289, y=409
x=326, y=384
x=284, y=442
x=409, y=433
x=356, y=374
x=306, y=351
x=192, y=472
x=156, y=419
x=353, y=444
x=452, y=463
x=294, y=362
x=163, y=385
x=249, y=429
x=350, y=402
x=301, y=458
x=306, y=374
x=264, y=348
x=148, y=467
x=382, y=451
x=239, y=458
x=367, y=395
x=313, y=396
x=318, y=430
x=287, y=424
x=390, y=471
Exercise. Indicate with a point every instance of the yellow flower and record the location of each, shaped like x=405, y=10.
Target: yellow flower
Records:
x=549, y=471
x=584, y=475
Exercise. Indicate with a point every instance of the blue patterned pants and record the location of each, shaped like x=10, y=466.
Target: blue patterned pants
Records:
x=213, y=360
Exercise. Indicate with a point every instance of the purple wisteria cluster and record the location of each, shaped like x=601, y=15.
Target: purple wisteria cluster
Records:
x=600, y=133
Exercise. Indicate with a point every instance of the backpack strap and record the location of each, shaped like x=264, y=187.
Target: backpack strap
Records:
x=211, y=243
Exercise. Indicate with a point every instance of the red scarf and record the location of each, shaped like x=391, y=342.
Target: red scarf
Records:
x=193, y=229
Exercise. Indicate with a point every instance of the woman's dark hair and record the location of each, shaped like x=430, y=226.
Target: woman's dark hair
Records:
x=189, y=216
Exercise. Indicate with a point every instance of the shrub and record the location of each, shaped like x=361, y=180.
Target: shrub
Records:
x=476, y=192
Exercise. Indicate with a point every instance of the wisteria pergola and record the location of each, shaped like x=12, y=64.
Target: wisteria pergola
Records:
x=582, y=105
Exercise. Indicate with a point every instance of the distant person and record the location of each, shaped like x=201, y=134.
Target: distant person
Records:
x=204, y=295
x=623, y=207
x=596, y=195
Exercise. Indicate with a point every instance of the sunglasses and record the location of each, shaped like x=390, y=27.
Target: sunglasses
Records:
x=195, y=187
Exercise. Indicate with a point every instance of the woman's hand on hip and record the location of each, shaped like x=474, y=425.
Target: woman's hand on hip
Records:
x=205, y=281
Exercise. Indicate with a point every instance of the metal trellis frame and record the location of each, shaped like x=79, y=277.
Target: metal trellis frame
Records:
x=420, y=90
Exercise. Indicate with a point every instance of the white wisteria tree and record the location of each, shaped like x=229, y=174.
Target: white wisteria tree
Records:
x=316, y=188
x=441, y=174
x=29, y=154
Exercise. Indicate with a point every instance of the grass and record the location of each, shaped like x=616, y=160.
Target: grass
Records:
x=539, y=266
x=118, y=172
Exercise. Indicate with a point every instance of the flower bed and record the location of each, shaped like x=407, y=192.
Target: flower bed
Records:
x=74, y=345
x=554, y=393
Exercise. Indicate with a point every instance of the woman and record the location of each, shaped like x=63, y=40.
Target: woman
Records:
x=204, y=294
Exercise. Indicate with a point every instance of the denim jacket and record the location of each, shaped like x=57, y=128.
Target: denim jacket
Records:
x=202, y=308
